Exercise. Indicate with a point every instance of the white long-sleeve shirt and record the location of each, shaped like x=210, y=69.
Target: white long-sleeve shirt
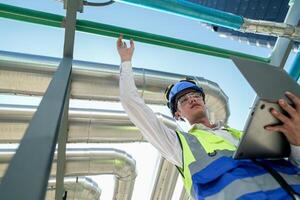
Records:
x=157, y=133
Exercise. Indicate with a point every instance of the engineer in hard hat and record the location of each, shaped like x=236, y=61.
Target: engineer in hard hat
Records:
x=204, y=154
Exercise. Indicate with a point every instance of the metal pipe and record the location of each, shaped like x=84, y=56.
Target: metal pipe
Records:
x=14, y=119
x=38, y=17
x=96, y=81
x=165, y=181
x=92, y=161
x=79, y=188
x=90, y=125
x=85, y=125
x=271, y=28
x=294, y=72
x=184, y=195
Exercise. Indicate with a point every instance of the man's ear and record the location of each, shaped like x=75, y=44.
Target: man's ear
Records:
x=177, y=115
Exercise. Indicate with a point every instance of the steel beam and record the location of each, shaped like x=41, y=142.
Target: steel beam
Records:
x=34, y=156
x=283, y=46
x=70, y=27
x=294, y=71
x=61, y=155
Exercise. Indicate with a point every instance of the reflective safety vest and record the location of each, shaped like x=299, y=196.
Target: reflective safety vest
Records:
x=210, y=172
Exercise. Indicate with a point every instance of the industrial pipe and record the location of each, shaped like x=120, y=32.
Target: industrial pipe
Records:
x=96, y=81
x=91, y=161
x=79, y=188
x=85, y=125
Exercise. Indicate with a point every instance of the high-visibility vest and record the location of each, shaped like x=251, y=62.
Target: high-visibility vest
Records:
x=210, y=172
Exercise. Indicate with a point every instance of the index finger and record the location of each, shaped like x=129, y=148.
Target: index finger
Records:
x=119, y=41
x=131, y=43
x=293, y=98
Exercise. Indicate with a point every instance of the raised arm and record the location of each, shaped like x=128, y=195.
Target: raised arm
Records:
x=160, y=136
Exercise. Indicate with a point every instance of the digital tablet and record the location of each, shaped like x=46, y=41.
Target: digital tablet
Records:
x=270, y=83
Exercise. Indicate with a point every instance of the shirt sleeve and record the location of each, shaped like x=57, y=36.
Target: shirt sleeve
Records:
x=156, y=132
x=295, y=155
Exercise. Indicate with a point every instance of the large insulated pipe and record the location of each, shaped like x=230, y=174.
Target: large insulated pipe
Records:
x=79, y=188
x=92, y=161
x=31, y=74
x=49, y=19
x=165, y=181
x=184, y=195
x=85, y=125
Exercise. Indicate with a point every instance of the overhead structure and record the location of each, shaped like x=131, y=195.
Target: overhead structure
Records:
x=220, y=18
x=283, y=46
x=31, y=75
x=49, y=19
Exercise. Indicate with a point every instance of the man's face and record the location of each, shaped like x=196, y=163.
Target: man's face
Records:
x=190, y=105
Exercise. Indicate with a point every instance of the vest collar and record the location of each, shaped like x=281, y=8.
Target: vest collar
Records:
x=218, y=125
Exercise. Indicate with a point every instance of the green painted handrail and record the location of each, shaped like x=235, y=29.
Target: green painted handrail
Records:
x=39, y=17
x=28, y=15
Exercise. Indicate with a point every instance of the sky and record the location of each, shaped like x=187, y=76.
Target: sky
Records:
x=42, y=40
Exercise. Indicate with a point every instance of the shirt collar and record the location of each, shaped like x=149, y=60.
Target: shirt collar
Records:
x=218, y=125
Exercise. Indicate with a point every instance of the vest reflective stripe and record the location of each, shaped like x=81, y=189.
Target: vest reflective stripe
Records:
x=244, y=186
x=187, y=158
x=192, y=149
x=211, y=142
x=214, y=174
x=277, y=194
x=202, y=158
x=226, y=171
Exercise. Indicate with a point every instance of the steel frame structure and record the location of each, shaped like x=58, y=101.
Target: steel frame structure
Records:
x=49, y=124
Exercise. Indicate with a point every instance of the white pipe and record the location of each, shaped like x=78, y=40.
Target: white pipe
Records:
x=92, y=161
x=165, y=181
x=275, y=29
x=79, y=188
x=85, y=125
x=31, y=74
x=184, y=195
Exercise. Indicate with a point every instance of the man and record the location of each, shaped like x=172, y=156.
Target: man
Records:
x=204, y=155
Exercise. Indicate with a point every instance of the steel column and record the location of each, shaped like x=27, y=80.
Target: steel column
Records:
x=283, y=46
x=34, y=156
x=70, y=27
x=295, y=69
